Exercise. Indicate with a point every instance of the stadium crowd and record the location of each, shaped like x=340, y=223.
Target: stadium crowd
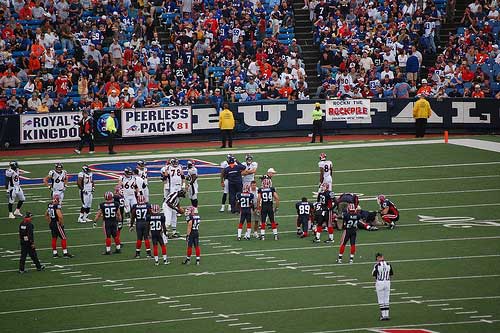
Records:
x=87, y=54
x=376, y=49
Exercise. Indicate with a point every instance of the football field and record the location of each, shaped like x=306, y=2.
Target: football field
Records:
x=445, y=250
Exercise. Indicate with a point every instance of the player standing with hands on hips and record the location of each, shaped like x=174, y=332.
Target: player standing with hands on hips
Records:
x=382, y=271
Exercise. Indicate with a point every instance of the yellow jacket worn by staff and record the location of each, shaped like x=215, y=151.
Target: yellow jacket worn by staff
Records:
x=110, y=125
x=421, y=109
x=226, y=120
x=317, y=114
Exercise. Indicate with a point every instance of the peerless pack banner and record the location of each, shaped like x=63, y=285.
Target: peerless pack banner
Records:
x=156, y=121
x=347, y=109
x=50, y=127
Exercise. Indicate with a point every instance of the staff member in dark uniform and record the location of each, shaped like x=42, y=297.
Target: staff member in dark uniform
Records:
x=317, y=116
x=235, y=183
x=86, y=132
x=27, y=239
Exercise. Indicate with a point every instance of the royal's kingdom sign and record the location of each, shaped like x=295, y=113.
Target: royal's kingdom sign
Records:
x=156, y=121
x=50, y=127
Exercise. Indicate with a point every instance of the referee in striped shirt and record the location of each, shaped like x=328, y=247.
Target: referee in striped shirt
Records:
x=382, y=271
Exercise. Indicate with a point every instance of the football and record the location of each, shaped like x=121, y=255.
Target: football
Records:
x=180, y=210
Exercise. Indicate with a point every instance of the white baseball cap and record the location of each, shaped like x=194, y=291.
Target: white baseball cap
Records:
x=271, y=170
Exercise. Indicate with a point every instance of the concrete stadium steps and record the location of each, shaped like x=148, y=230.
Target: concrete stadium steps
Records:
x=310, y=52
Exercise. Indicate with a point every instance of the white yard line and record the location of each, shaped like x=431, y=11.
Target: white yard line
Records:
x=225, y=320
x=452, y=309
x=465, y=312
x=239, y=324
x=478, y=144
x=179, y=305
x=485, y=316
x=133, y=292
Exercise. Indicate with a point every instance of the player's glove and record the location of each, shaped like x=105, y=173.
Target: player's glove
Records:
x=372, y=228
x=120, y=224
x=276, y=209
x=94, y=225
x=187, y=238
x=130, y=228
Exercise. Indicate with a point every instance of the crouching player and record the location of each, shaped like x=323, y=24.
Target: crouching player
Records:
x=352, y=221
x=304, y=212
x=158, y=231
x=110, y=213
x=324, y=214
x=140, y=212
x=245, y=201
x=388, y=211
x=192, y=237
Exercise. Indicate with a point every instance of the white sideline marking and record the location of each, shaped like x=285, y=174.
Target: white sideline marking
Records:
x=239, y=324
x=224, y=320
x=202, y=313
x=171, y=301
x=179, y=305
x=415, y=301
x=221, y=246
x=254, y=255
x=145, y=295
x=324, y=273
x=452, y=309
x=478, y=144
x=288, y=264
x=223, y=153
x=485, y=316
x=395, y=294
x=444, y=304
x=133, y=292
x=291, y=267
x=311, y=270
x=60, y=269
x=191, y=309
x=351, y=284
x=242, y=271
x=346, y=280
x=251, y=328
x=409, y=297
x=487, y=321
x=123, y=288
x=265, y=258
x=91, y=279
x=215, y=243
x=465, y=312
x=278, y=260
x=372, y=287
x=80, y=276
x=72, y=272
x=232, y=250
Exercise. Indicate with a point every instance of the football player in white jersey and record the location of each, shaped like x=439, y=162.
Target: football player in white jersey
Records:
x=224, y=183
x=192, y=183
x=14, y=190
x=129, y=186
x=176, y=175
x=58, y=181
x=165, y=179
x=325, y=171
x=251, y=169
x=142, y=172
x=85, y=183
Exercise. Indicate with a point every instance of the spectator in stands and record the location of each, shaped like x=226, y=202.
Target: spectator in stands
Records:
x=9, y=80
x=477, y=93
x=34, y=102
x=401, y=88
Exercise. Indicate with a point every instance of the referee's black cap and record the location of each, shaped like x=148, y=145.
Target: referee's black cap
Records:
x=378, y=254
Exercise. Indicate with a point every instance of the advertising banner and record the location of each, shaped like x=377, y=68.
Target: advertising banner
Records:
x=49, y=127
x=156, y=121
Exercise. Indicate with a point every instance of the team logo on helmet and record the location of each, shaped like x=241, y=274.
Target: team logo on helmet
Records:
x=141, y=199
x=141, y=164
x=228, y=157
x=181, y=193
x=248, y=158
x=85, y=168
x=322, y=157
x=325, y=187
x=58, y=167
x=108, y=196
x=127, y=171
x=174, y=162
x=155, y=209
x=380, y=198
x=56, y=199
x=14, y=165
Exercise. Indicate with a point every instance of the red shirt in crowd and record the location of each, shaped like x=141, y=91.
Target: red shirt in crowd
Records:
x=62, y=85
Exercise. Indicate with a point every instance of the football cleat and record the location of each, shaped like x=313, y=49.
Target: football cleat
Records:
x=239, y=238
x=197, y=263
x=106, y=253
x=316, y=240
x=148, y=254
x=339, y=261
x=41, y=268
x=262, y=237
x=137, y=256
x=246, y=238
x=392, y=226
x=276, y=237
x=157, y=263
x=67, y=256
x=221, y=210
x=351, y=261
x=11, y=216
x=329, y=241
x=166, y=262
x=87, y=220
x=176, y=235
x=55, y=255
x=22, y=272
x=256, y=234
x=17, y=212
x=186, y=262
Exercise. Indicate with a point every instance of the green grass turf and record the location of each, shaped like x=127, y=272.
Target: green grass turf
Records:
x=457, y=265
